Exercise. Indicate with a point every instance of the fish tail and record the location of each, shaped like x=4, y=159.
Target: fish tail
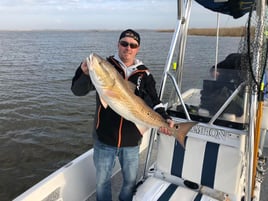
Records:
x=181, y=130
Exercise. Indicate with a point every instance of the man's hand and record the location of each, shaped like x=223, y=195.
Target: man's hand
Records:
x=165, y=130
x=84, y=68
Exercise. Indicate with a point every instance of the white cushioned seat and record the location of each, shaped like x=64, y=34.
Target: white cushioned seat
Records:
x=216, y=166
x=154, y=189
x=206, y=163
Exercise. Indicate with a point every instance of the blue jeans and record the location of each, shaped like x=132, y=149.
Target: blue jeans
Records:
x=104, y=159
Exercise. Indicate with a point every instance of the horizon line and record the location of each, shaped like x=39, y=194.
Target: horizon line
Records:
x=97, y=30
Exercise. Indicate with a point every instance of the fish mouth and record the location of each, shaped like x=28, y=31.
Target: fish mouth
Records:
x=91, y=56
x=90, y=62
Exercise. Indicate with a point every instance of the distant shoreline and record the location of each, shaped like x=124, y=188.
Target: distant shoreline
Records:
x=232, y=31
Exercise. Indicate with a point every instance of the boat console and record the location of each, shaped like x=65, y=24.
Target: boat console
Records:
x=218, y=100
x=211, y=165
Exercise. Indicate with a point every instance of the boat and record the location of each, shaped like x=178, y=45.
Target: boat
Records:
x=223, y=155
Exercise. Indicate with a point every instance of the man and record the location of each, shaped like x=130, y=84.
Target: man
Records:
x=115, y=136
x=229, y=69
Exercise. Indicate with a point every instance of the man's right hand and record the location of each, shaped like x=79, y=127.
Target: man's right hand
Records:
x=84, y=68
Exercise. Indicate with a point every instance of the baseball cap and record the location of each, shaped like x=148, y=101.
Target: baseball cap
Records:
x=130, y=33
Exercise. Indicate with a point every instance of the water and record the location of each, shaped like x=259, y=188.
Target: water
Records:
x=42, y=124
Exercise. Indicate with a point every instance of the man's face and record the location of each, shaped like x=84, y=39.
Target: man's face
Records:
x=128, y=49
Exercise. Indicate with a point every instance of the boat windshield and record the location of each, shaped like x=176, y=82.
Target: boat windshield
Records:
x=216, y=94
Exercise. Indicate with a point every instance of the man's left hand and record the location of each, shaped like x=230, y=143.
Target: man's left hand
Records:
x=165, y=130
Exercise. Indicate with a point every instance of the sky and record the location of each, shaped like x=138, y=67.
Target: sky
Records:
x=102, y=14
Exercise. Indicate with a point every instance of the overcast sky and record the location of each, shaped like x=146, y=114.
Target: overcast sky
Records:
x=101, y=14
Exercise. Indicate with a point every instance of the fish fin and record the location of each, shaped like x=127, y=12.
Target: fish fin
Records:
x=131, y=86
x=104, y=104
x=111, y=93
x=141, y=128
x=181, y=130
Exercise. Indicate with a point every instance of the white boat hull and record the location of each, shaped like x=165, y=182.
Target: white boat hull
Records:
x=74, y=181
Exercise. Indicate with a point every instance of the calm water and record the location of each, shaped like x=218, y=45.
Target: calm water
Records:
x=42, y=124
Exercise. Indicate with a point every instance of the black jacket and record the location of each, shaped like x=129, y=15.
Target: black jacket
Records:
x=110, y=127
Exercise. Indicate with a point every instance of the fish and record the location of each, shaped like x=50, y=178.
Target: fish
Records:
x=118, y=93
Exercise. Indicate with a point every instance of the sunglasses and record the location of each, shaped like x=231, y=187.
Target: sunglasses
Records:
x=131, y=45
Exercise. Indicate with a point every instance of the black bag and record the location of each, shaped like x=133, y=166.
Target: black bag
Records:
x=215, y=93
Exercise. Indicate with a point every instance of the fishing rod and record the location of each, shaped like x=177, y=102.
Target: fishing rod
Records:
x=260, y=86
x=259, y=117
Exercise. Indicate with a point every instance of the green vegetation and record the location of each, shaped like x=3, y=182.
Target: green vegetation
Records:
x=232, y=31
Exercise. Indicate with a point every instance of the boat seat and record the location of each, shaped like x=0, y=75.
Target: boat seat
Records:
x=204, y=163
x=157, y=189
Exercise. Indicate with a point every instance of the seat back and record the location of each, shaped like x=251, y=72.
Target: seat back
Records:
x=215, y=161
